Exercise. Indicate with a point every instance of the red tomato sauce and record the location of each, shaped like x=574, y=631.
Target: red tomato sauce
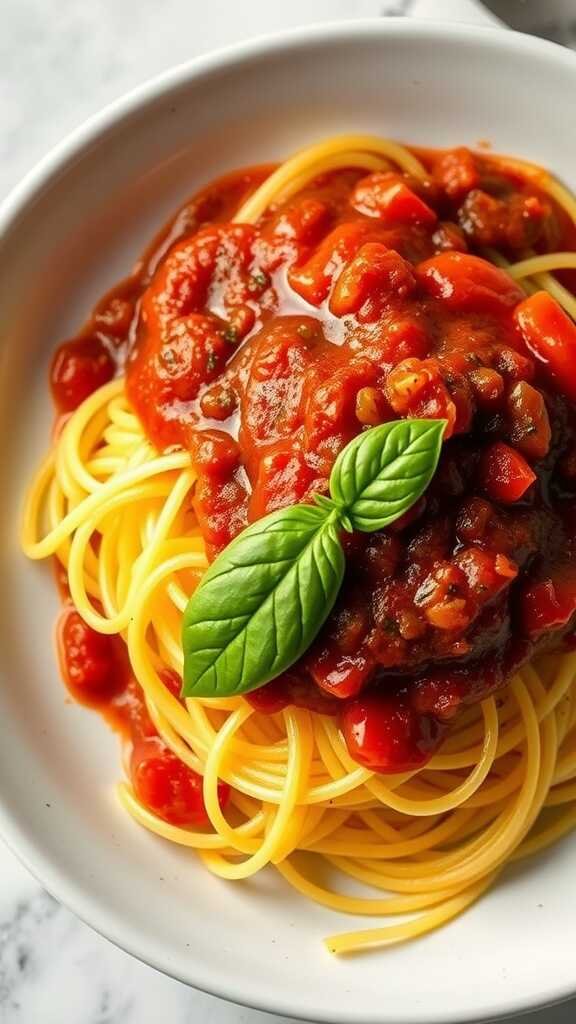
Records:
x=263, y=349
x=97, y=673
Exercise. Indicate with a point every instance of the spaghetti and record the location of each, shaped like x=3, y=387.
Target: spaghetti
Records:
x=117, y=514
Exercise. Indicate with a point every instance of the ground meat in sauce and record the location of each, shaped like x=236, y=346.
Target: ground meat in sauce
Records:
x=265, y=349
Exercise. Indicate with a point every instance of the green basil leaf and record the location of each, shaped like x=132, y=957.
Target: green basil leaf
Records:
x=262, y=602
x=383, y=472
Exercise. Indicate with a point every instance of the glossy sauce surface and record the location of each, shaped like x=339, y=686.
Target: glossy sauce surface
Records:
x=264, y=349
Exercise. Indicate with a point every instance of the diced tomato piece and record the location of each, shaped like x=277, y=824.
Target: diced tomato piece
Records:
x=548, y=604
x=505, y=567
x=114, y=314
x=415, y=387
x=446, y=580
x=388, y=197
x=410, y=624
x=408, y=381
x=467, y=282
x=386, y=735
x=314, y=279
x=241, y=320
x=443, y=596
x=450, y=615
x=167, y=786
x=400, y=205
x=284, y=478
x=271, y=698
x=505, y=474
x=456, y=171
x=87, y=660
x=78, y=369
x=375, y=273
x=340, y=675
x=550, y=335
x=403, y=338
x=302, y=222
x=486, y=573
x=330, y=417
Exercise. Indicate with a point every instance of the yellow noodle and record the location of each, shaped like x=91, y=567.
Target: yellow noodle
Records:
x=116, y=513
x=304, y=164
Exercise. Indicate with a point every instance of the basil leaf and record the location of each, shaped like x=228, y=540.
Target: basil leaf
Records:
x=262, y=602
x=383, y=472
x=264, y=599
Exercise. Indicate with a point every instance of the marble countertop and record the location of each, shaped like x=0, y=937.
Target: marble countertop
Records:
x=60, y=61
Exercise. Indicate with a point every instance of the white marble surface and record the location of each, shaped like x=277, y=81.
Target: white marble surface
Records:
x=61, y=60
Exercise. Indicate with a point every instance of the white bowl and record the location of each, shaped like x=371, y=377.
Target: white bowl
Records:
x=69, y=232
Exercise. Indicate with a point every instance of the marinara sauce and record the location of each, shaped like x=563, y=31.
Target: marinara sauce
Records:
x=264, y=349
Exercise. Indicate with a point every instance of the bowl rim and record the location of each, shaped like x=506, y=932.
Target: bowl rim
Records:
x=73, y=895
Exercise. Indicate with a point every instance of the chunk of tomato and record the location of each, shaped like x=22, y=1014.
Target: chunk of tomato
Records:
x=385, y=734
x=87, y=660
x=284, y=478
x=467, y=282
x=505, y=474
x=167, y=786
x=303, y=222
x=550, y=335
x=340, y=675
x=388, y=197
x=313, y=279
x=376, y=272
x=547, y=605
x=415, y=388
x=456, y=171
x=78, y=369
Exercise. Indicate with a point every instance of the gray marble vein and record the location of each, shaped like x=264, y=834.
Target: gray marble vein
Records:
x=60, y=61
x=56, y=970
